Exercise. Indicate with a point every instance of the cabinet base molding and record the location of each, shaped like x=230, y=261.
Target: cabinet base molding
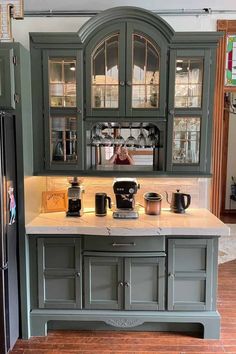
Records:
x=210, y=320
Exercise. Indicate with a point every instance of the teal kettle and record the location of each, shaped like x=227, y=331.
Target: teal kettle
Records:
x=179, y=202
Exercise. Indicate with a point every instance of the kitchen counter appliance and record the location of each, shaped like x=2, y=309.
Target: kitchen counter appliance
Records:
x=75, y=198
x=125, y=189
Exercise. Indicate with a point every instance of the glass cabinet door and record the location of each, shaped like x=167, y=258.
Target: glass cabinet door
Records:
x=126, y=72
x=105, y=74
x=63, y=102
x=62, y=82
x=145, y=73
x=188, y=147
x=186, y=140
x=7, y=82
x=188, y=82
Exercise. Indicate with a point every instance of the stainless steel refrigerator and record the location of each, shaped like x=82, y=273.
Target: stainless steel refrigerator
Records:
x=9, y=286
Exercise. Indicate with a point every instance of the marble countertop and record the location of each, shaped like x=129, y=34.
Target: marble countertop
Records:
x=195, y=222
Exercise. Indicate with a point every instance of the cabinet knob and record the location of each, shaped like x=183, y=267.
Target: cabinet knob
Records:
x=120, y=283
x=79, y=111
x=171, y=275
x=122, y=83
x=129, y=83
x=77, y=274
x=126, y=284
x=171, y=111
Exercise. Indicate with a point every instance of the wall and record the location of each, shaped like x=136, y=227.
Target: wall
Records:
x=197, y=187
x=21, y=29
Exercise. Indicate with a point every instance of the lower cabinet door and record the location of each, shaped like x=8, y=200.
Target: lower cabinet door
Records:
x=59, y=273
x=144, y=283
x=191, y=274
x=103, y=281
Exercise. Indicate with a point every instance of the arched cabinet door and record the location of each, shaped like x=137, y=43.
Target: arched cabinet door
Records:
x=105, y=72
x=146, y=68
x=126, y=71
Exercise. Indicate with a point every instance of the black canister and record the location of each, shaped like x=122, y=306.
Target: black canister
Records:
x=101, y=204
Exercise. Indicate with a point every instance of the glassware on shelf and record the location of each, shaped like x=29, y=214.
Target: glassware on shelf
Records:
x=107, y=138
x=96, y=138
x=118, y=139
x=152, y=138
x=130, y=141
x=141, y=139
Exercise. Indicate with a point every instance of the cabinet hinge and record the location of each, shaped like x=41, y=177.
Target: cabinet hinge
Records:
x=14, y=60
x=16, y=98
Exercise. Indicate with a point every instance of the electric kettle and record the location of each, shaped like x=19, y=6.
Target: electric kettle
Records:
x=179, y=202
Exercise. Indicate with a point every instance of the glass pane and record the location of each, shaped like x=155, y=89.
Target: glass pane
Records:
x=145, y=76
x=230, y=69
x=186, y=140
x=105, y=74
x=63, y=139
x=62, y=83
x=118, y=146
x=188, y=82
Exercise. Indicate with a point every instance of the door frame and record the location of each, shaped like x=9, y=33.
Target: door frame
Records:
x=219, y=129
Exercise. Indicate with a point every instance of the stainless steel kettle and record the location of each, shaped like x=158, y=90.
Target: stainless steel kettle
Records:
x=179, y=202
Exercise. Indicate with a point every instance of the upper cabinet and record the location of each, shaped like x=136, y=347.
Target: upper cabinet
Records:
x=126, y=72
x=62, y=85
x=126, y=79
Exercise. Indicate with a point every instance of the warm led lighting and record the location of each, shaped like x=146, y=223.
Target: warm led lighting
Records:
x=72, y=67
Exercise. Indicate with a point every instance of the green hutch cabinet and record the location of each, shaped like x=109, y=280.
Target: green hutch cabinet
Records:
x=126, y=78
x=7, y=78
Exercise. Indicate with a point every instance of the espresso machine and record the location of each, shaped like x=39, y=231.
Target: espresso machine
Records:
x=125, y=190
x=75, y=198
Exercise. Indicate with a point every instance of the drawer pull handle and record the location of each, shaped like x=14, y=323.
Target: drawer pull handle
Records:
x=131, y=244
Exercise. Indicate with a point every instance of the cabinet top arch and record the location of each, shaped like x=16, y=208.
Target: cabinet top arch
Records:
x=124, y=13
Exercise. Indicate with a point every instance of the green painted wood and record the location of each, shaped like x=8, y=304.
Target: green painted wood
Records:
x=203, y=112
x=103, y=277
x=127, y=319
x=125, y=20
x=7, y=79
x=59, y=273
x=118, y=14
x=190, y=274
x=144, y=283
x=124, y=243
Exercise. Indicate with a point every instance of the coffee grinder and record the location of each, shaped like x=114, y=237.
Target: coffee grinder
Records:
x=125, y=190
x=75, y=198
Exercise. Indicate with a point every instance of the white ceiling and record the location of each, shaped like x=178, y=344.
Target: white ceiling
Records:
x=93, y=5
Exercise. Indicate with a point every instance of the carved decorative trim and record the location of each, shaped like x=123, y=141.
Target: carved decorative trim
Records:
x=124, y=322
x=125, y=13
x=8, y=9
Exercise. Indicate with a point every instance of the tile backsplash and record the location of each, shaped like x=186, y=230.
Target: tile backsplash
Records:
x=198, y=188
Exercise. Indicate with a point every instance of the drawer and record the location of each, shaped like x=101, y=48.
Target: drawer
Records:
x=124, y=244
